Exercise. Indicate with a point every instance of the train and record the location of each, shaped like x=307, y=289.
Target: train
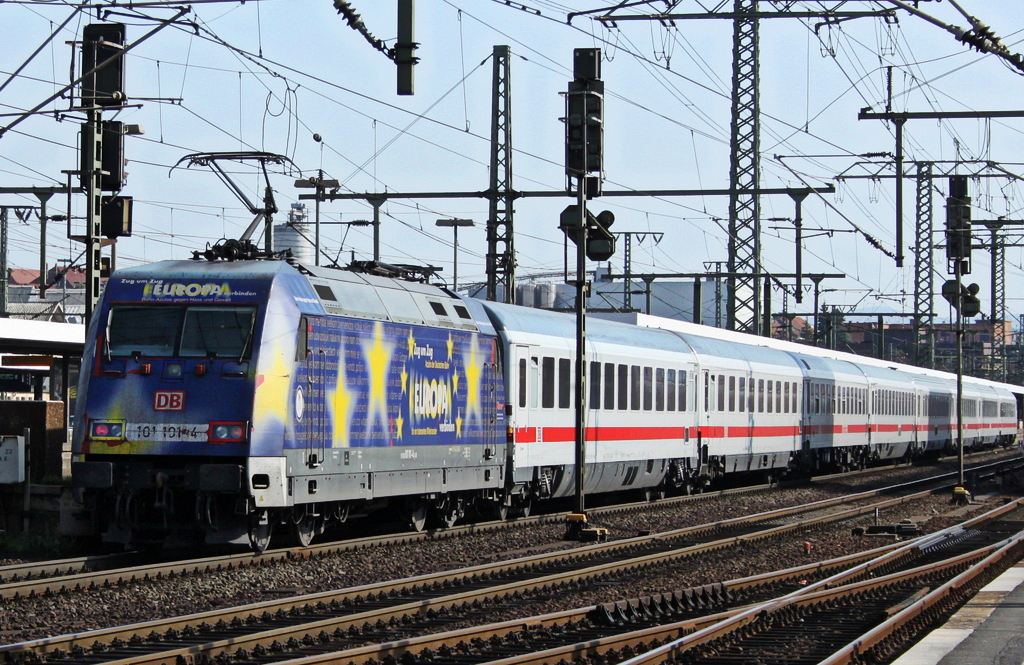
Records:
x=225, y=401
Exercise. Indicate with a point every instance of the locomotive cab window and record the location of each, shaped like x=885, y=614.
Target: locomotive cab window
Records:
x=168, y=330
x=217, y=332
x=147, y=330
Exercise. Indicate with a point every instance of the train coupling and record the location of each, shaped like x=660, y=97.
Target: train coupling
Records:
x=577, y=527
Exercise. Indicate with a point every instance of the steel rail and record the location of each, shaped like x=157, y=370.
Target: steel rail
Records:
x=868, y=563
x=93, y=579
x=97, y=640
x=95, y=564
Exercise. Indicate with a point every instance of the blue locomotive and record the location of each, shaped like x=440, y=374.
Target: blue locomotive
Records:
x=223, y=400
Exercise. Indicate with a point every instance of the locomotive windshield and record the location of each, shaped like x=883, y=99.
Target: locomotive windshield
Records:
x=168, y=330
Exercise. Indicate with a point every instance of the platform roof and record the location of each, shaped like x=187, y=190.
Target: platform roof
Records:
x=44, y=337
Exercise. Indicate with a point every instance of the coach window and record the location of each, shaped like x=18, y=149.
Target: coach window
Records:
x=534, y=377
x=659, y=389
x=623, y=387
x=609, y=386
x=785, y=399
x=648, y=388
x=732, y=393
x=564, y=383
x=742, y=402
x=795, y=399
x=721, y=392
x=522, y=383
x=760, y=395
x=771, y=397
x=547, y=382
x=634, y=387
x=595, y=385
x=683, y=404
x=707, y=396
x=670, y=389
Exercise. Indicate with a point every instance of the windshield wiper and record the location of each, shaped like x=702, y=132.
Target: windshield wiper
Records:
x=248, y=338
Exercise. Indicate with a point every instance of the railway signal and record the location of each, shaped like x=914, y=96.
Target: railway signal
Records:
x=600, y=242
x=958, y=224
x=584, y=110
x=964, y=299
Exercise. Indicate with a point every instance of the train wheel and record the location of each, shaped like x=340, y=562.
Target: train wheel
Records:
x=418, y=516
x=306, y=528
x=654, y=494
x=500, y=511
x=260, y=529
x=524, y=508
x=448, y=512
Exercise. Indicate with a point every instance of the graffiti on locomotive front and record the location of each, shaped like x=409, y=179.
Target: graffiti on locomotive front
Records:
x=398, y=385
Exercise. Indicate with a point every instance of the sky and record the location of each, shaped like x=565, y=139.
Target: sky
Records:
x=269, y=75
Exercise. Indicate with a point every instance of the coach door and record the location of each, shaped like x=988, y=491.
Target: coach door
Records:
x=524, y=389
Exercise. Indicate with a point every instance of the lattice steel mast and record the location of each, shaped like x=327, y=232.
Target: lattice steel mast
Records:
x=924, y=272
x=744, y=173
x=501, y=258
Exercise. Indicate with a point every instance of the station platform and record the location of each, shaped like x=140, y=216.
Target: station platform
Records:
x=987, y=630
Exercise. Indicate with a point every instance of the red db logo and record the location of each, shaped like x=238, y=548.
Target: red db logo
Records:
x=169, y=400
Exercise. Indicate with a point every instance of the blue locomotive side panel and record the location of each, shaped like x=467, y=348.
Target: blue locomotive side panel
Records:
x=381, y=384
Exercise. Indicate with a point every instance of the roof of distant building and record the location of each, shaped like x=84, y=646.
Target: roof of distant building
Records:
x=22, y=276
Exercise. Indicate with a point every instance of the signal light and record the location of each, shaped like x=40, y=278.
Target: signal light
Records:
x=958, y=224
x=103, y=45
x=963, y=299
x=116, y=216
x=584, y=115
x=600, y=241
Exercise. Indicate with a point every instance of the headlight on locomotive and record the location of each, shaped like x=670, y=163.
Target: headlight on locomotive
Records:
x=227, y=432
x=106, y=430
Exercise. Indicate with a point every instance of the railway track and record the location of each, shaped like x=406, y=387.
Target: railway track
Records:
x=273, y=629
x=89, y=572
x=742, y=620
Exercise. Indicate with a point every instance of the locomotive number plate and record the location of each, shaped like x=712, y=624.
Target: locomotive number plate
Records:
x=166, y=432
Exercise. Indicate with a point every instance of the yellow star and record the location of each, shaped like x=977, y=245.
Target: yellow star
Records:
x=405, y=379
x=458, y=426
x=378, y=359
x=398, y=425
x=473, y=371
x=412, y=343
x=455, y=382
x=273, y=388
x=451, y=345
x=340, y=403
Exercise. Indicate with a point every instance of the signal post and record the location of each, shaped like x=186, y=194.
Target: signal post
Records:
x=584, y=134
x=964, y=300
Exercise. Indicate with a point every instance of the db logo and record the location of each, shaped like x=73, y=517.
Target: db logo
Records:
x=169, y=400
